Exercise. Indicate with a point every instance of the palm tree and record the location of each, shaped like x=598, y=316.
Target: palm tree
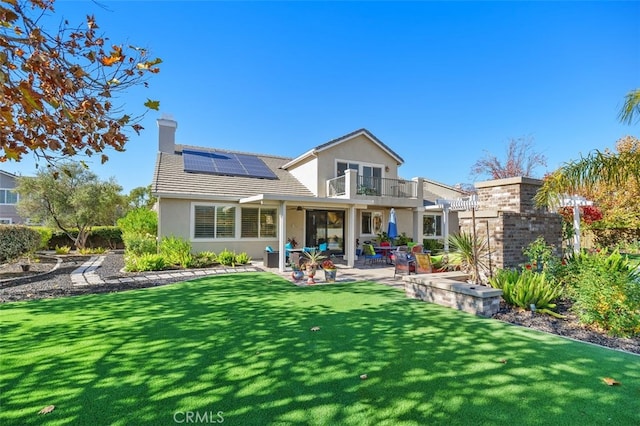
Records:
x=587, y=172
x=597, y=167
x=631, y=107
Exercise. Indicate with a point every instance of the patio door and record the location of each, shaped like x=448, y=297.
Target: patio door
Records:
x=325, y=226
x=372, y=178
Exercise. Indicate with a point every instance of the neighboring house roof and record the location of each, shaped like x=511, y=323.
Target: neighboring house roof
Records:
x=8, y=174
x=341, y=139
x=171, y=179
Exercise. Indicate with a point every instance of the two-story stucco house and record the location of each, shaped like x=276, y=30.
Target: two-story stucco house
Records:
x=336, y=193
x=8, y=200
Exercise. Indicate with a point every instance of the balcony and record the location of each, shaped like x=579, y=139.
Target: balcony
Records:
x=366, y=186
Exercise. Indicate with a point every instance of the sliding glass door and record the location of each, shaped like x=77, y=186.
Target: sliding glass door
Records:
x=325, y=226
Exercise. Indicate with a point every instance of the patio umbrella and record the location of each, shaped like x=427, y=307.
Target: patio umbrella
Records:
x=392, y=228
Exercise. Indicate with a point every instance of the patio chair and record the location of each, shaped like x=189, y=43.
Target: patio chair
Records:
x=323, y=248
x=417, y=249
x=423, y=263
x=404, y=264
x=370, y=254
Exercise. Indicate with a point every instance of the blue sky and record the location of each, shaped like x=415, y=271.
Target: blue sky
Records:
x=441, y=83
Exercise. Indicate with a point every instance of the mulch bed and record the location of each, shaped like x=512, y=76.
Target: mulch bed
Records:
x=567, y=327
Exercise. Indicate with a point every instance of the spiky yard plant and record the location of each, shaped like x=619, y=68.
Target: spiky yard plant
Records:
x=528, y=289
x=470, y=254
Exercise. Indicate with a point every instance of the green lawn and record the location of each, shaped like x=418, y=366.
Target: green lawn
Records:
x=238, y=349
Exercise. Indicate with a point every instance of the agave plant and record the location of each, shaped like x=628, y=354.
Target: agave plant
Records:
x=528, y=289
x=314, y=257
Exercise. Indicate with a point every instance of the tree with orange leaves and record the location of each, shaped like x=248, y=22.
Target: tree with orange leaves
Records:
x=56, y=88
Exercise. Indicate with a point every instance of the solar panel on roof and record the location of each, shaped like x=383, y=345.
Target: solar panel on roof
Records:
x=230, y=164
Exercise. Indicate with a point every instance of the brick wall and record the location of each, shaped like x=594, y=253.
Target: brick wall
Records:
x=507, y=214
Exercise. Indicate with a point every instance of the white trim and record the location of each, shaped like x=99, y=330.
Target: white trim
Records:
x=3, y=219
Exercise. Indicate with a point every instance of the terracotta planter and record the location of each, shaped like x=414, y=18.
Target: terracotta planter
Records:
x=311, y=273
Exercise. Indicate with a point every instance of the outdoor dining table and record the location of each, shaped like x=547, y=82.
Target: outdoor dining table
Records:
x=386, y=252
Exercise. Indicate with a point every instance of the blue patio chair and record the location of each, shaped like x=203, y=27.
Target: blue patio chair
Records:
x=370, y=254
x=324, y=249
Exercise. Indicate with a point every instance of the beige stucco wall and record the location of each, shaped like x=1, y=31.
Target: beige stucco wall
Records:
x=441, y=191
x=174, y=218
x=359, y=150
x=307, y=173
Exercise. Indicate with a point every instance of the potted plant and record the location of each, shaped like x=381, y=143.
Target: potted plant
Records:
x=313, y=261
x=26, y=261
x=296, y=273
x=329, y=270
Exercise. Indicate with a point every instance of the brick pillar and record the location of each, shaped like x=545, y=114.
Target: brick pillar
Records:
x=508, y=214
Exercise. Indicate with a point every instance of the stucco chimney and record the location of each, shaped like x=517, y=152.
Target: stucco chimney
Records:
x=167, y=135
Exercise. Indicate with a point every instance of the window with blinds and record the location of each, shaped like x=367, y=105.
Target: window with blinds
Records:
x=211, y=221
x=225, y=222
x=258, y=223
x=249, y=223
x=204, y=222
x=268, y=223
x=214, y=222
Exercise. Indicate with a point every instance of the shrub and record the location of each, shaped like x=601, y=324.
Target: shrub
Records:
x=602, y=261
x=176, y=251
x=140, y=220
x=204, y=259
x=227, y=258
x=138, y=244
x=100, y=236
x=527, y=288
x=610, y=301
x=605, y=289
x=145, y=262
x=434, y=246
x=539, y=251
x=242, y=258
x=105, y=236
x=16, y=241
x=96, y=250
x=45, y=235
x=63, y=249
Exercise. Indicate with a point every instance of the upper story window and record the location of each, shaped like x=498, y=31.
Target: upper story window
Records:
x=368, y=171
x=342, y=166
x=8, y=196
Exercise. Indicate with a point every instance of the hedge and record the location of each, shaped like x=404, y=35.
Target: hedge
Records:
x=109, y=237
x=16, y=241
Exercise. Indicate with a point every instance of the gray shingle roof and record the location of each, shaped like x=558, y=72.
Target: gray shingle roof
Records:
x=170, y=178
